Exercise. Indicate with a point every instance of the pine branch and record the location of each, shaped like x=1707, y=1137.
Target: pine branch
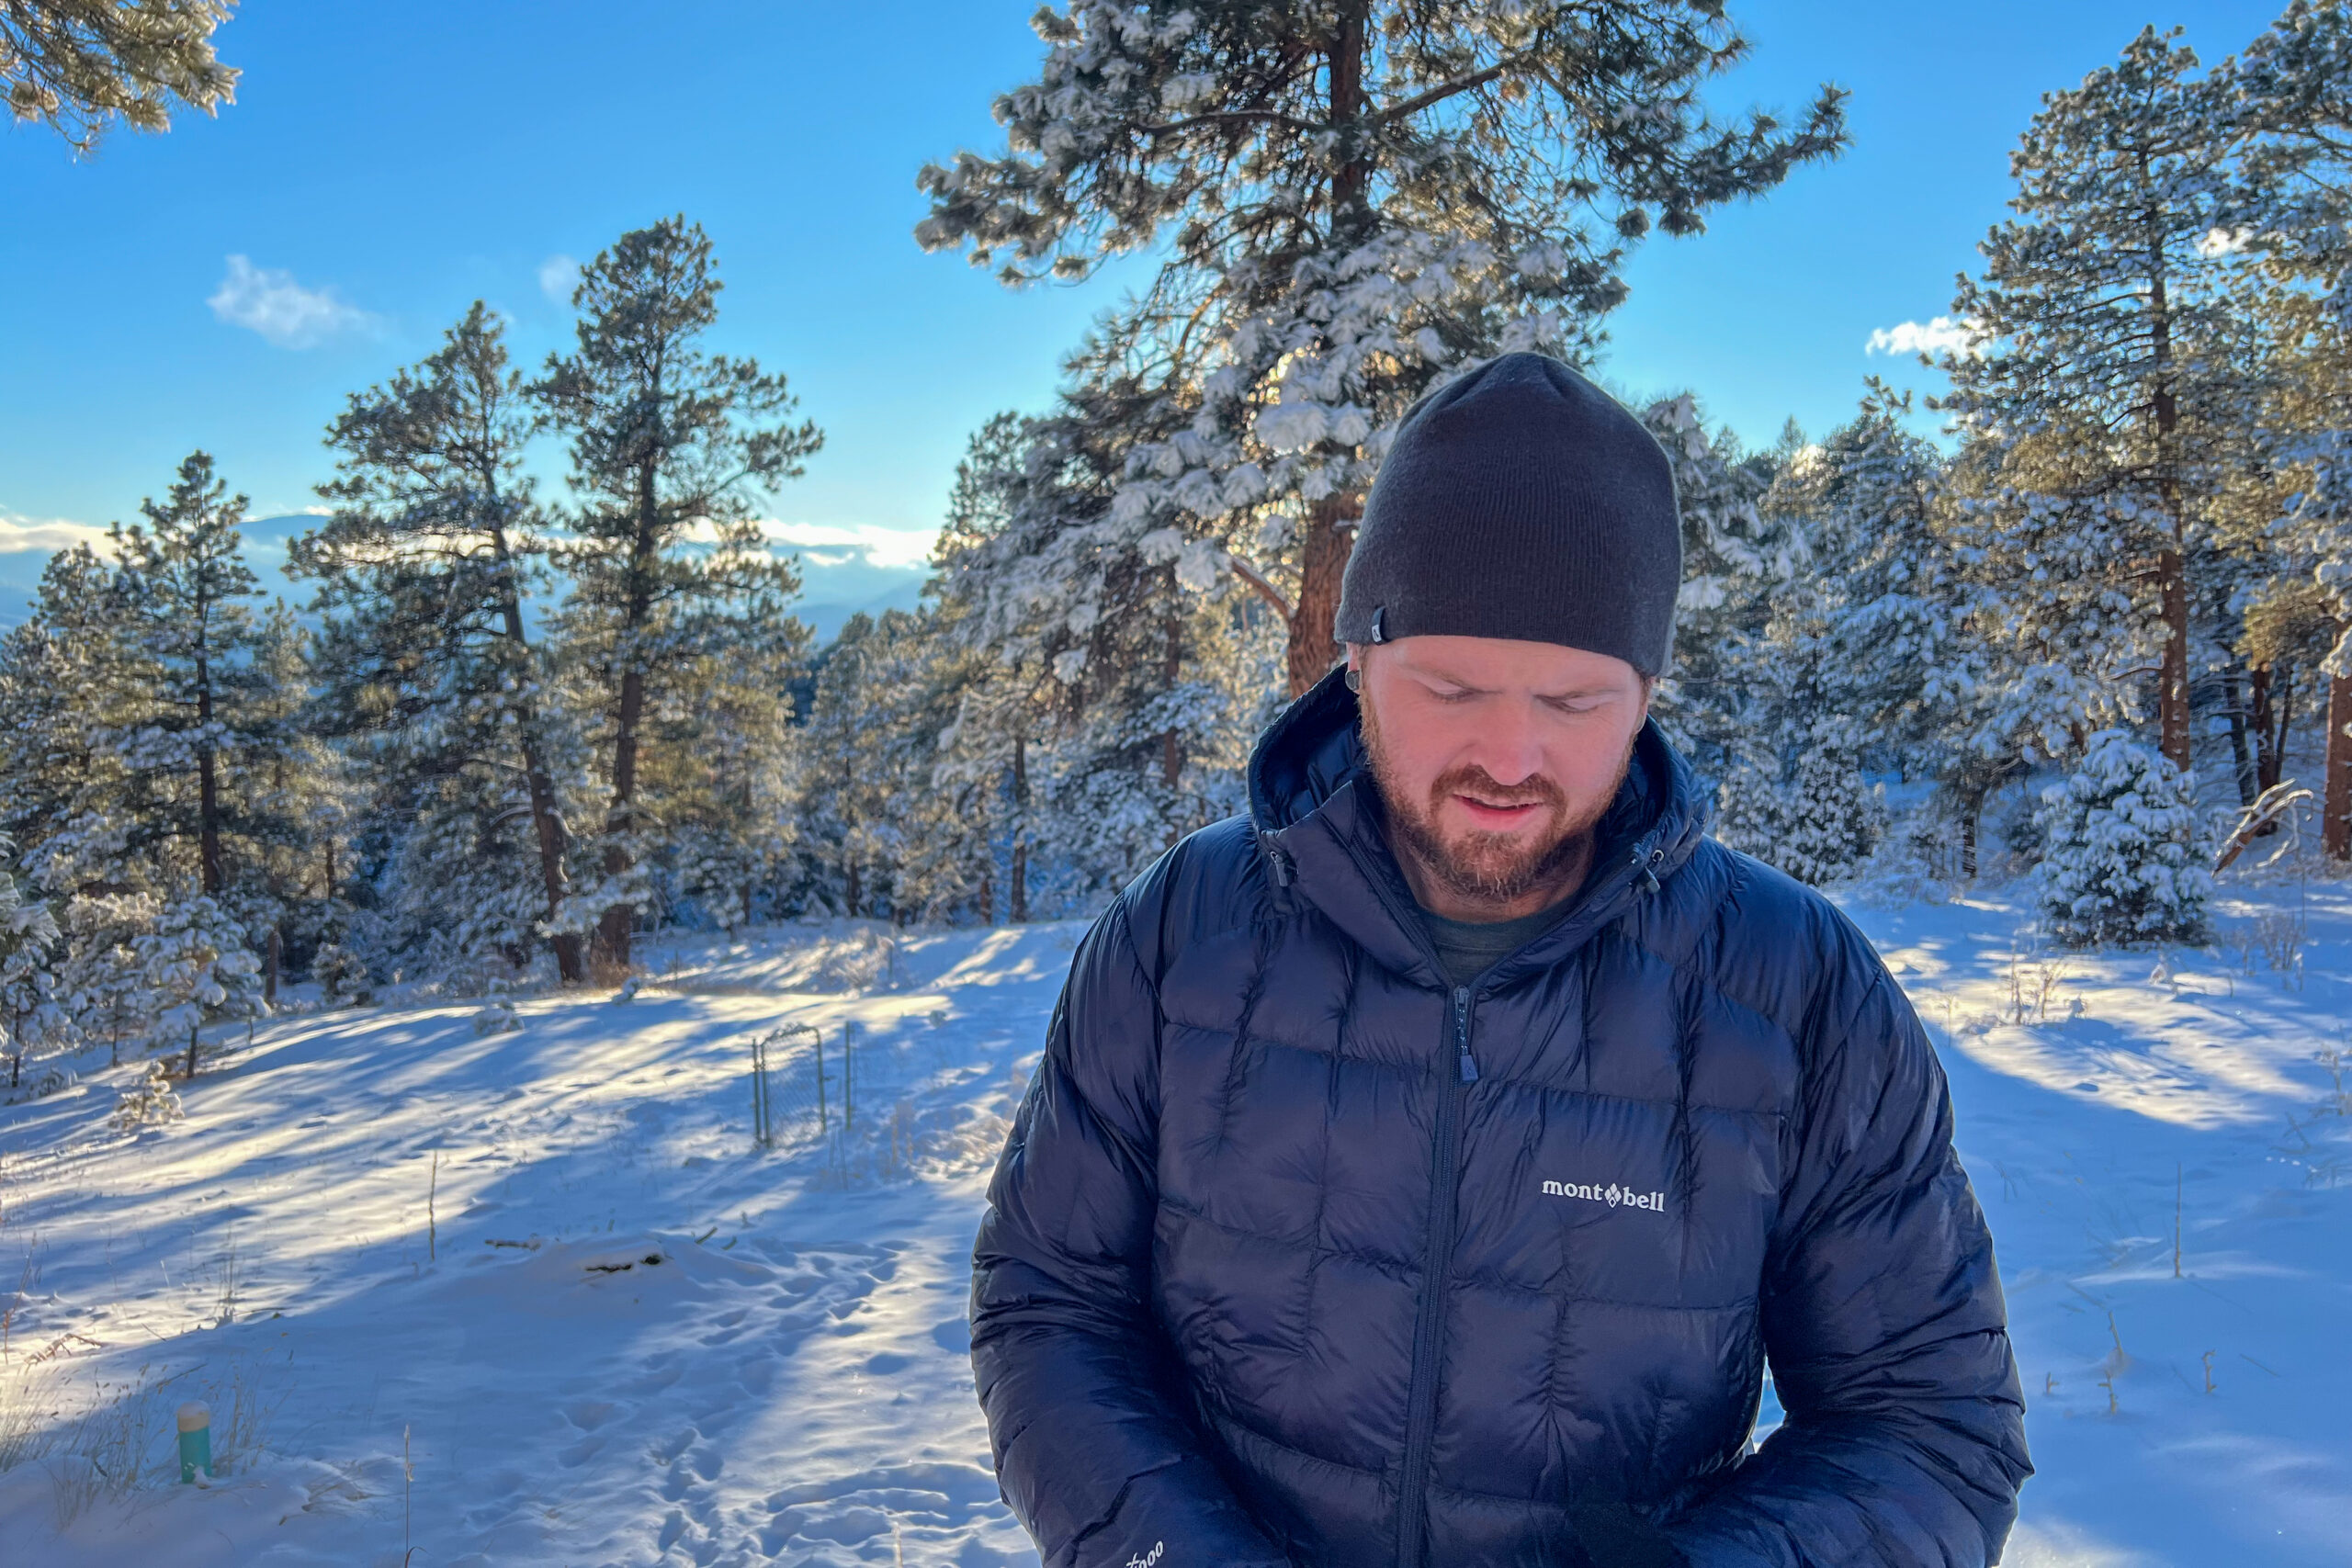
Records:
x=1266, y=590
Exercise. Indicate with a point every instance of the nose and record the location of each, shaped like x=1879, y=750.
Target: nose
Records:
x=1509, y=745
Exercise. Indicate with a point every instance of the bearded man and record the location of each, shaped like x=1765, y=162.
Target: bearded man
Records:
x=1423, y=1171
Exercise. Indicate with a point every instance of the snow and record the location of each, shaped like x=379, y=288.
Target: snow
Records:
x=609, y=1330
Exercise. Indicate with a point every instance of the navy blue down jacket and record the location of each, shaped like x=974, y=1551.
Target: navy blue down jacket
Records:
x=1295, y=1256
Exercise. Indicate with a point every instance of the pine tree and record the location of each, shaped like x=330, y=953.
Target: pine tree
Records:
x=1738, y=560
x=2105, y=379
x=191, y=622
x=665, y=562
x=1355, y=199
x=29, y=939
x=424, y=572
x=2295, y=86
x=2122, y=859
x=1129, y=683
x=719, y=775
x=77, y=66
x=192, y=967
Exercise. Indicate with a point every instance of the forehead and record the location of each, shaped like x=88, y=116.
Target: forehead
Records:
x=1496, y=664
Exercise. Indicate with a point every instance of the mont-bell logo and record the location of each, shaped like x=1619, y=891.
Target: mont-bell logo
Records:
x=1616, y=1197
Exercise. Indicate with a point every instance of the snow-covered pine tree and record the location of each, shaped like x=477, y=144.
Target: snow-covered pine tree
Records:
x=1737, y=562
x=1798, y=799
x=1005, y=691
x=194, y=968
x=67, y=799
x=664, y=558
x=2295, y=93
x=719, y=776
x=1356, y=199
x=1121, y=631
x=2101, y=378
x=2123, y=858
x=883, y=837
x=425, y=664
x=28, y=954
x=100, y=983
x=206, y=717
x=78, y=69
x=73, y=682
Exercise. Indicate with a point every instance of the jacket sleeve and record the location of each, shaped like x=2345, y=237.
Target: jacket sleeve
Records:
x=1094, y=1447
x=1882, y=1319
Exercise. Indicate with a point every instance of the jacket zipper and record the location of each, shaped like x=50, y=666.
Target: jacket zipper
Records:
x=1437, y=1262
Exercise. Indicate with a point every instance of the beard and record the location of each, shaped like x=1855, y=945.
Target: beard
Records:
x=1477, y=865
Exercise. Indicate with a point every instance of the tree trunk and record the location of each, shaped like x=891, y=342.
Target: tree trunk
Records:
x=1172, y=670
x=613, y=930
x=2247, y=767
x=2336, y=828
x=2267, y=735
x=546, y=825
x=1330, y=522
x=2173, y=700
x=270, y=959
x=2172, y=566
x=191, y=1074
x=1017, y=895
x=1323, y=559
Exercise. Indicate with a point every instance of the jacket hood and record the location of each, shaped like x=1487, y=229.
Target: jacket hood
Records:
x=1318, y=820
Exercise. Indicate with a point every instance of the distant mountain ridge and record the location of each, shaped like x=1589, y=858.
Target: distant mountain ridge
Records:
x=834, y=583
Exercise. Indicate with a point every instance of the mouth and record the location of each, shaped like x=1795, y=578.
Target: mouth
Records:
x=1498, y=816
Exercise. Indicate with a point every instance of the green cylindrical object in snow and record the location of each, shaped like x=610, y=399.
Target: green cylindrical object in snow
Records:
x=196, y=1441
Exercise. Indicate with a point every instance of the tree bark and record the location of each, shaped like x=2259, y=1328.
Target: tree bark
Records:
x=1330, y=522
x=2247, y=766
x=2335, y=821
x=1017, y=894
x=1323, y=560
x=613, y=930
x=2172, y=566
x=208, y=773
x=2172, y=727
x=546, y=825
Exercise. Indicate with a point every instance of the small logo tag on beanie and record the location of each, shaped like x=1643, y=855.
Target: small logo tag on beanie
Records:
x=1380, y=624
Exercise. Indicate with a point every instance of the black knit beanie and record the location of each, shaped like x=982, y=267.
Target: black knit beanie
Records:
x=1520, y=501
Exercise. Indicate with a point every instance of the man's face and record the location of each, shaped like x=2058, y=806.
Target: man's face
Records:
x=1495, y=760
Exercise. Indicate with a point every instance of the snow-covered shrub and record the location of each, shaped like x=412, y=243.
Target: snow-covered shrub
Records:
x=343, y=977
x=1809, y=812
x=499, y=1017
x=193, y=967
x=2123, y=858
x=150, y=1102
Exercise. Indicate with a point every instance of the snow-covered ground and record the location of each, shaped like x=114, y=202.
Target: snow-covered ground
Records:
x=550, y=1267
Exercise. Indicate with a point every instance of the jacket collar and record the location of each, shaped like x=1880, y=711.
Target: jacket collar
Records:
x=1319, y=823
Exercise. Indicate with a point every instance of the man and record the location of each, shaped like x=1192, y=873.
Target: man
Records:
x=1423, y=1171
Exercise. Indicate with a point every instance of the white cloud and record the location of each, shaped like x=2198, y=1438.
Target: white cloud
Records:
x=880, y=547
x=269, y=301
x=1941, y=336
x=2224, y=242
x=559, y=275
x=19, y=533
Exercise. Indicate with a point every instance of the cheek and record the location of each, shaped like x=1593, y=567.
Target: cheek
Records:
x=1588, y=767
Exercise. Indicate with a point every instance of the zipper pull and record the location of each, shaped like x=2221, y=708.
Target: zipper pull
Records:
x=1466, y=1066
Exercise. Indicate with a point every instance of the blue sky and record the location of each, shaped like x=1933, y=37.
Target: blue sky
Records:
x=226, y=284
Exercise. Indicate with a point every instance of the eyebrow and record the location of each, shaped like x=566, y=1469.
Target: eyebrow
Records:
x=1570, y=694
